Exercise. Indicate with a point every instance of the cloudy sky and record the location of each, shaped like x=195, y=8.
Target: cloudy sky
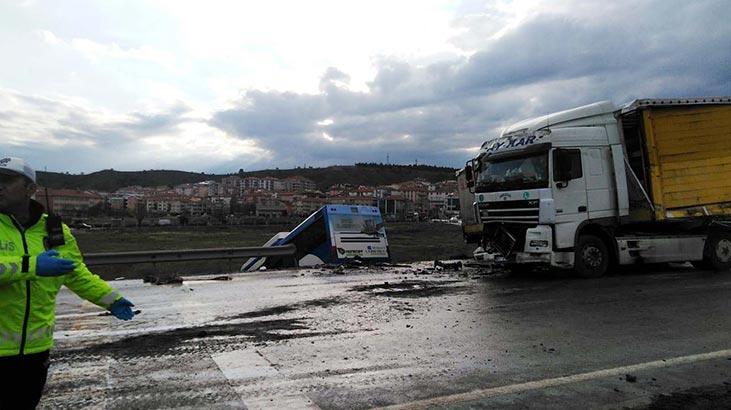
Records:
x=214, y=86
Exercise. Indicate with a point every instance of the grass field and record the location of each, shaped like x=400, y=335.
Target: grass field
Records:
x=408, y=242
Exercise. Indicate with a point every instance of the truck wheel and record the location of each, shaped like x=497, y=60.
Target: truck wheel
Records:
x=591, y=259
x=718, y=251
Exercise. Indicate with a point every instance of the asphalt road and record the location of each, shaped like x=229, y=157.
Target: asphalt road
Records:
x=402, y=337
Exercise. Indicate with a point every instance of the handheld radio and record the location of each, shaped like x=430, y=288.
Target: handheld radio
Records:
x=54, y=229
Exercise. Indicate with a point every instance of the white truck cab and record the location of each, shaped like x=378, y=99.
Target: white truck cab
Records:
x=559, y=189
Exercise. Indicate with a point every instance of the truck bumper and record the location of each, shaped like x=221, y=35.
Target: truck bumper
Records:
x=555, y=259
x=538, y=250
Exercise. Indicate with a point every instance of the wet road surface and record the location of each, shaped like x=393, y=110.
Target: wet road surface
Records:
x=405, y=337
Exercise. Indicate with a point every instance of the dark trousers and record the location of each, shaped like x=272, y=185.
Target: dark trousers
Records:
x=22, y=379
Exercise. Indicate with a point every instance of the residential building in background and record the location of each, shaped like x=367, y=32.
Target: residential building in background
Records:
x=69, y=202
x=272, y=208
x=299, y=184
x=235, y=197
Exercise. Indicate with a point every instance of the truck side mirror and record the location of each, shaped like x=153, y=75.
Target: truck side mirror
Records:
x=468, y=176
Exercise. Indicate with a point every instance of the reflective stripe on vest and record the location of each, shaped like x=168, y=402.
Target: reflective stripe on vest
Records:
x=32, y=335
x=13, y=268
x=40, y=333
x=8, y=337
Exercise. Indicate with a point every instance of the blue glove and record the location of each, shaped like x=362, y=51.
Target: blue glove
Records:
x=122, y=309
x=49, y=264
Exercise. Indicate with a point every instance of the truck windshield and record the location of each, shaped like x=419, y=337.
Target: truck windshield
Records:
x=513, y=173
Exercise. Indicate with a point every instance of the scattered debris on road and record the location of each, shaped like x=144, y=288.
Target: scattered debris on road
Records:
x=447, y=265
x=282, y=309
x=163, y=279
x=411, y=288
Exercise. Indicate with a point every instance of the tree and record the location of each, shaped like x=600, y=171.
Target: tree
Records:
x=98, y=209
x=140, y=212
x=235, y=204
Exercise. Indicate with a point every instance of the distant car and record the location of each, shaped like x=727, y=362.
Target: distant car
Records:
x=164, y=222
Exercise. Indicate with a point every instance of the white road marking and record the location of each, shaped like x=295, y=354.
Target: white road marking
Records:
x=241, y=366
x=558, y=381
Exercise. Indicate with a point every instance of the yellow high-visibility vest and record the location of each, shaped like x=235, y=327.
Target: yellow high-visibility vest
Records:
x=28, y=301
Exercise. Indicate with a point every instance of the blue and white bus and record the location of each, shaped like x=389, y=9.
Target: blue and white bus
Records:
x=333, y=234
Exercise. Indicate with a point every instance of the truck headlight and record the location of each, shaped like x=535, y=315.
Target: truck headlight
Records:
x=538, y=243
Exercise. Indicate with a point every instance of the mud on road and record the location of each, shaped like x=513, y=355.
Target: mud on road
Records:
x=228, y=332
x=378, y=336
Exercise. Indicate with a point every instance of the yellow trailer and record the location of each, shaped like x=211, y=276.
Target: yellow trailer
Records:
x=682, y=155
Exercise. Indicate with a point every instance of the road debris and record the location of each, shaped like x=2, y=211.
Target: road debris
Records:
x=447, y=265
x=411, y=288
x=163, y=279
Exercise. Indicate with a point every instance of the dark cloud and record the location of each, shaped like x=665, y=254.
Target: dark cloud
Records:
x=331, y=78
x=150, y=123
x=431, y=112
x=276, y=114
x=549, y=63
x=76, y=124
x=50, y=132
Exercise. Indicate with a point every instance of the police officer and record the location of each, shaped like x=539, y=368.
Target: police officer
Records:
x=32, y=270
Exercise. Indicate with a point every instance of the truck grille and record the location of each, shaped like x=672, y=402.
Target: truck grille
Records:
x=521, y=212
x=505, y=237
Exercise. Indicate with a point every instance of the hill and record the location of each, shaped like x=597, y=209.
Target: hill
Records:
x=110, y=180
x=358, y=174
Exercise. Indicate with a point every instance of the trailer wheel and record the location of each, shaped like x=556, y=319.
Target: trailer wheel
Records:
x=591, y=259
x=718, y=251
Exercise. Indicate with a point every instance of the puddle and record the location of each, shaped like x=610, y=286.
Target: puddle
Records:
x=411, y=288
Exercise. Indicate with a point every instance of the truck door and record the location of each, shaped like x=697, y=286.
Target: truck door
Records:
x=602, y=200
x=569, y=193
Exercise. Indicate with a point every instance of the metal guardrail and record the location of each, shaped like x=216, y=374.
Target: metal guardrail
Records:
x=181, y=255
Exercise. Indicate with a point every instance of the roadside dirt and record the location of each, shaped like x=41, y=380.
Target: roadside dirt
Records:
x=408, y=242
